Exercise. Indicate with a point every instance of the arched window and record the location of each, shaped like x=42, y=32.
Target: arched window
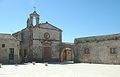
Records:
x=86, y=51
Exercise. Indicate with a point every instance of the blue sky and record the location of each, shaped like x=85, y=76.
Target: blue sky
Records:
x=77, y=18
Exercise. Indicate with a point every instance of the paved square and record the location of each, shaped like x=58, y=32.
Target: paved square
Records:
x=60, y=70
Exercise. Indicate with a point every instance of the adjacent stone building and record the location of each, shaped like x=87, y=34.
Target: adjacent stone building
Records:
x=98, y=49
x=9, y=49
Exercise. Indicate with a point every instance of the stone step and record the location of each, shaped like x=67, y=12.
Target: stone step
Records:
x=68, y=62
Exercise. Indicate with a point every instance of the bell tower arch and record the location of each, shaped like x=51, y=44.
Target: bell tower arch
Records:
x=33, y=17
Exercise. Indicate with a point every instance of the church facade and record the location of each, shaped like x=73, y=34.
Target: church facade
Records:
x=42, y=42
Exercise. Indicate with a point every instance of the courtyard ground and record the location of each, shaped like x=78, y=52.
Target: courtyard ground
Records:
x=60, y=70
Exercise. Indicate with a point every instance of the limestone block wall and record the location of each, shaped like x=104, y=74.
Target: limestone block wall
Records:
x=37, y=49
x=99, y=52
x=4, y=51
x=3, y=55
x=55, y=50
x=38, y=40
x=24, y=37
x=39, y=34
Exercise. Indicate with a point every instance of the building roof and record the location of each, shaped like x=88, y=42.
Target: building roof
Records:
x=98, y=38
x=7, y=37
x=68, y=43
x=34, y=14
x=42, y=25
x=45, y=25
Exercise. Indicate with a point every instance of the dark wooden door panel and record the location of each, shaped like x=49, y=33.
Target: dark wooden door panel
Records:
x=47, y=53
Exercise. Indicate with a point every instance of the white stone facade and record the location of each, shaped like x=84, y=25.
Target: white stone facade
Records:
x=100, y=49
x=39, y=42
x=8, y=42
x=42, y=42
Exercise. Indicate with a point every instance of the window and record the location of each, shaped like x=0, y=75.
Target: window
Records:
x=25, y=52
x=11, y=53
x=20, y=53
x=113, y=51
x=11, y=50
x=86, y=51
x=3, y=45
x=22, y=36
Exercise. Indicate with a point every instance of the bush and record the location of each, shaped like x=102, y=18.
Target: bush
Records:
x=46, y=64
x=33, y=63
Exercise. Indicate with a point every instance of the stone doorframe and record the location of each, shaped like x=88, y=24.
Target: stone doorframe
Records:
x=62, y=54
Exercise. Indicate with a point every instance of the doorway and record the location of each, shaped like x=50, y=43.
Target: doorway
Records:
x=47, y=51
x=11, y=55
x=47, y=54
x=67, y=55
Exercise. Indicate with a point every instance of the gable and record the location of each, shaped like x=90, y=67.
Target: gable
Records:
x=49, y=26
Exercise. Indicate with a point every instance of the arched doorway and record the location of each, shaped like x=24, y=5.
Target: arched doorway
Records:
x=67, y=54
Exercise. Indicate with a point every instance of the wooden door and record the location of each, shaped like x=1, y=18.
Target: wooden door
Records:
x=67, y=55
x=64, y=55
x=47, y=53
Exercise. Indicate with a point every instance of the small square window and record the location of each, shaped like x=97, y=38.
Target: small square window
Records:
x=113, y=51
x=3, y=45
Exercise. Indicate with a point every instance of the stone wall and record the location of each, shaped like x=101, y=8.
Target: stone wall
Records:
x=39, y=39
x=24, y=38
x=98, y=50
x=4, y=51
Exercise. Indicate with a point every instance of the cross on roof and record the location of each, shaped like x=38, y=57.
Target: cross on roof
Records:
x=34, y=8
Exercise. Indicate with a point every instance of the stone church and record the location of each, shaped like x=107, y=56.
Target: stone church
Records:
x=42, y=42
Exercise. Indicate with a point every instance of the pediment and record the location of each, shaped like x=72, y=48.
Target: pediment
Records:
x=49, y=26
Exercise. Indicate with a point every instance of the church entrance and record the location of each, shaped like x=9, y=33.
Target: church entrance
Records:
x=46, y=51
x=67, y=55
